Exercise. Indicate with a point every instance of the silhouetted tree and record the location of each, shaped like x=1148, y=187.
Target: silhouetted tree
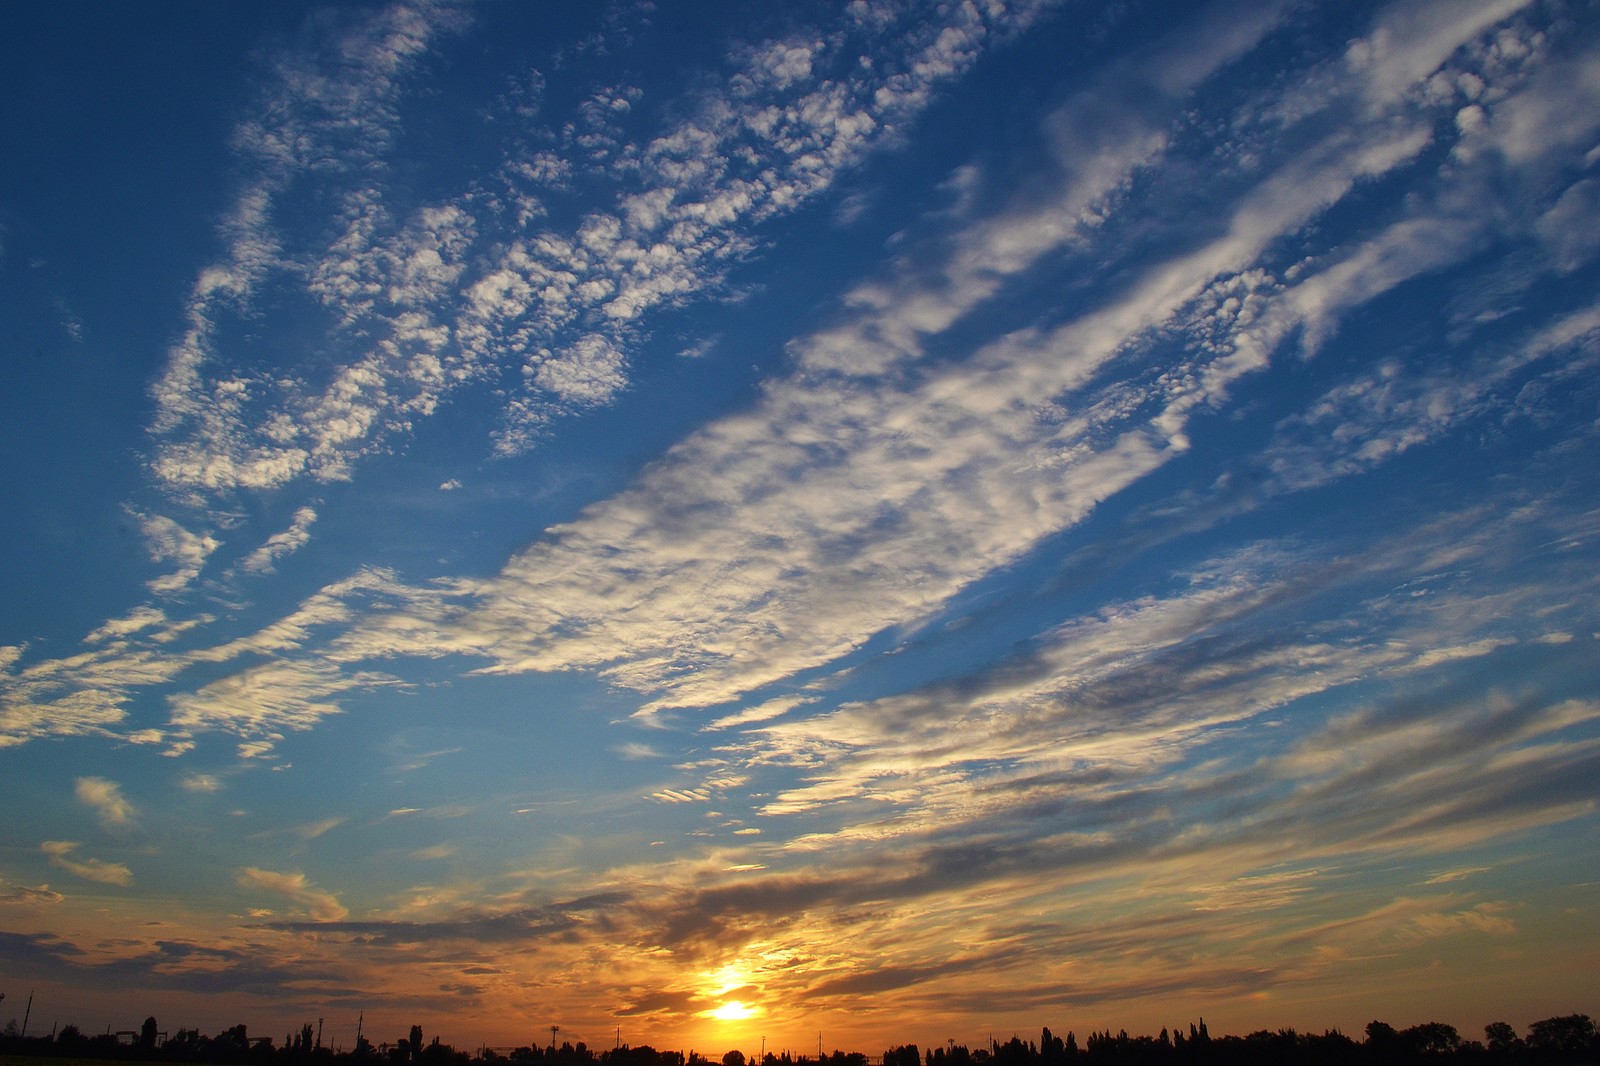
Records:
x=1432, y=1038
x=1568, y=1038
x=1332, y=1048
x=1501, y=1038
x=184, y=1045
x=1383, y=1043
x=1013, y=1053
x=70, y=1040
x=233, y=1045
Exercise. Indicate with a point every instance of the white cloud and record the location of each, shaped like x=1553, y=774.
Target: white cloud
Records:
x=1565, y=227
x=336, y=102
x=778, y=64
x=778, y=140
x=262, y=560
x=753, y=550
x=106, y=873
x=1382, y=413
x=202, y=783
x=168, y=541
x=140, y=618
x=317, y=829
x=57, y=700
x=1557, y=111
x=261, y=702
x=295, y=887
x=1412, y=39
x=106, y=798
x=780, y=539
x=587, y=374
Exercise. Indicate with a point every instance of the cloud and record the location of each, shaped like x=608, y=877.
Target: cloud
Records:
x=316, y=829
x=1378, y=415
x=513, y=926
x=106, y=798
x=1570, y=242
x=261, y=702
x=137, y=620
x=106, y=873
x=262, y=560
x=169, y=542
x=322, y=906
x=778, y=139
x=29, y=713
x=779, y=539
x=784, y=538
x=202, y=783
x=178, y=965
x=1405, y=921
x=24, y=896
x=1071, y=755
x=1456, y=875
x=328, y=110
x=84, y=694
x=587, y=374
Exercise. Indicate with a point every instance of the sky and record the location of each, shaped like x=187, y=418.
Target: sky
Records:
x=702, y=523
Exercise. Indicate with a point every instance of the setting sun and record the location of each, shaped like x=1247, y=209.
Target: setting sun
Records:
x=733, y=1011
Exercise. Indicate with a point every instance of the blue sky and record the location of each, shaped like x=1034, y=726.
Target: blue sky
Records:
x=907, y=521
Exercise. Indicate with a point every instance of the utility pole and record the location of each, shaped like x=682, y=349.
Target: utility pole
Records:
x=319, y=1034
x=27, y=1012
x=554, y=1029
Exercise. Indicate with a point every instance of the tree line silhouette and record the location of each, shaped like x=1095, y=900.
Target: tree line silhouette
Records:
x=1567, y=1040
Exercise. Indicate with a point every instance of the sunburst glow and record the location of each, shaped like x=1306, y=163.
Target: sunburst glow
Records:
x=733, y=1011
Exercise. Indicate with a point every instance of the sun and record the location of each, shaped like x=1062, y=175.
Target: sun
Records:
x=732, y=1011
